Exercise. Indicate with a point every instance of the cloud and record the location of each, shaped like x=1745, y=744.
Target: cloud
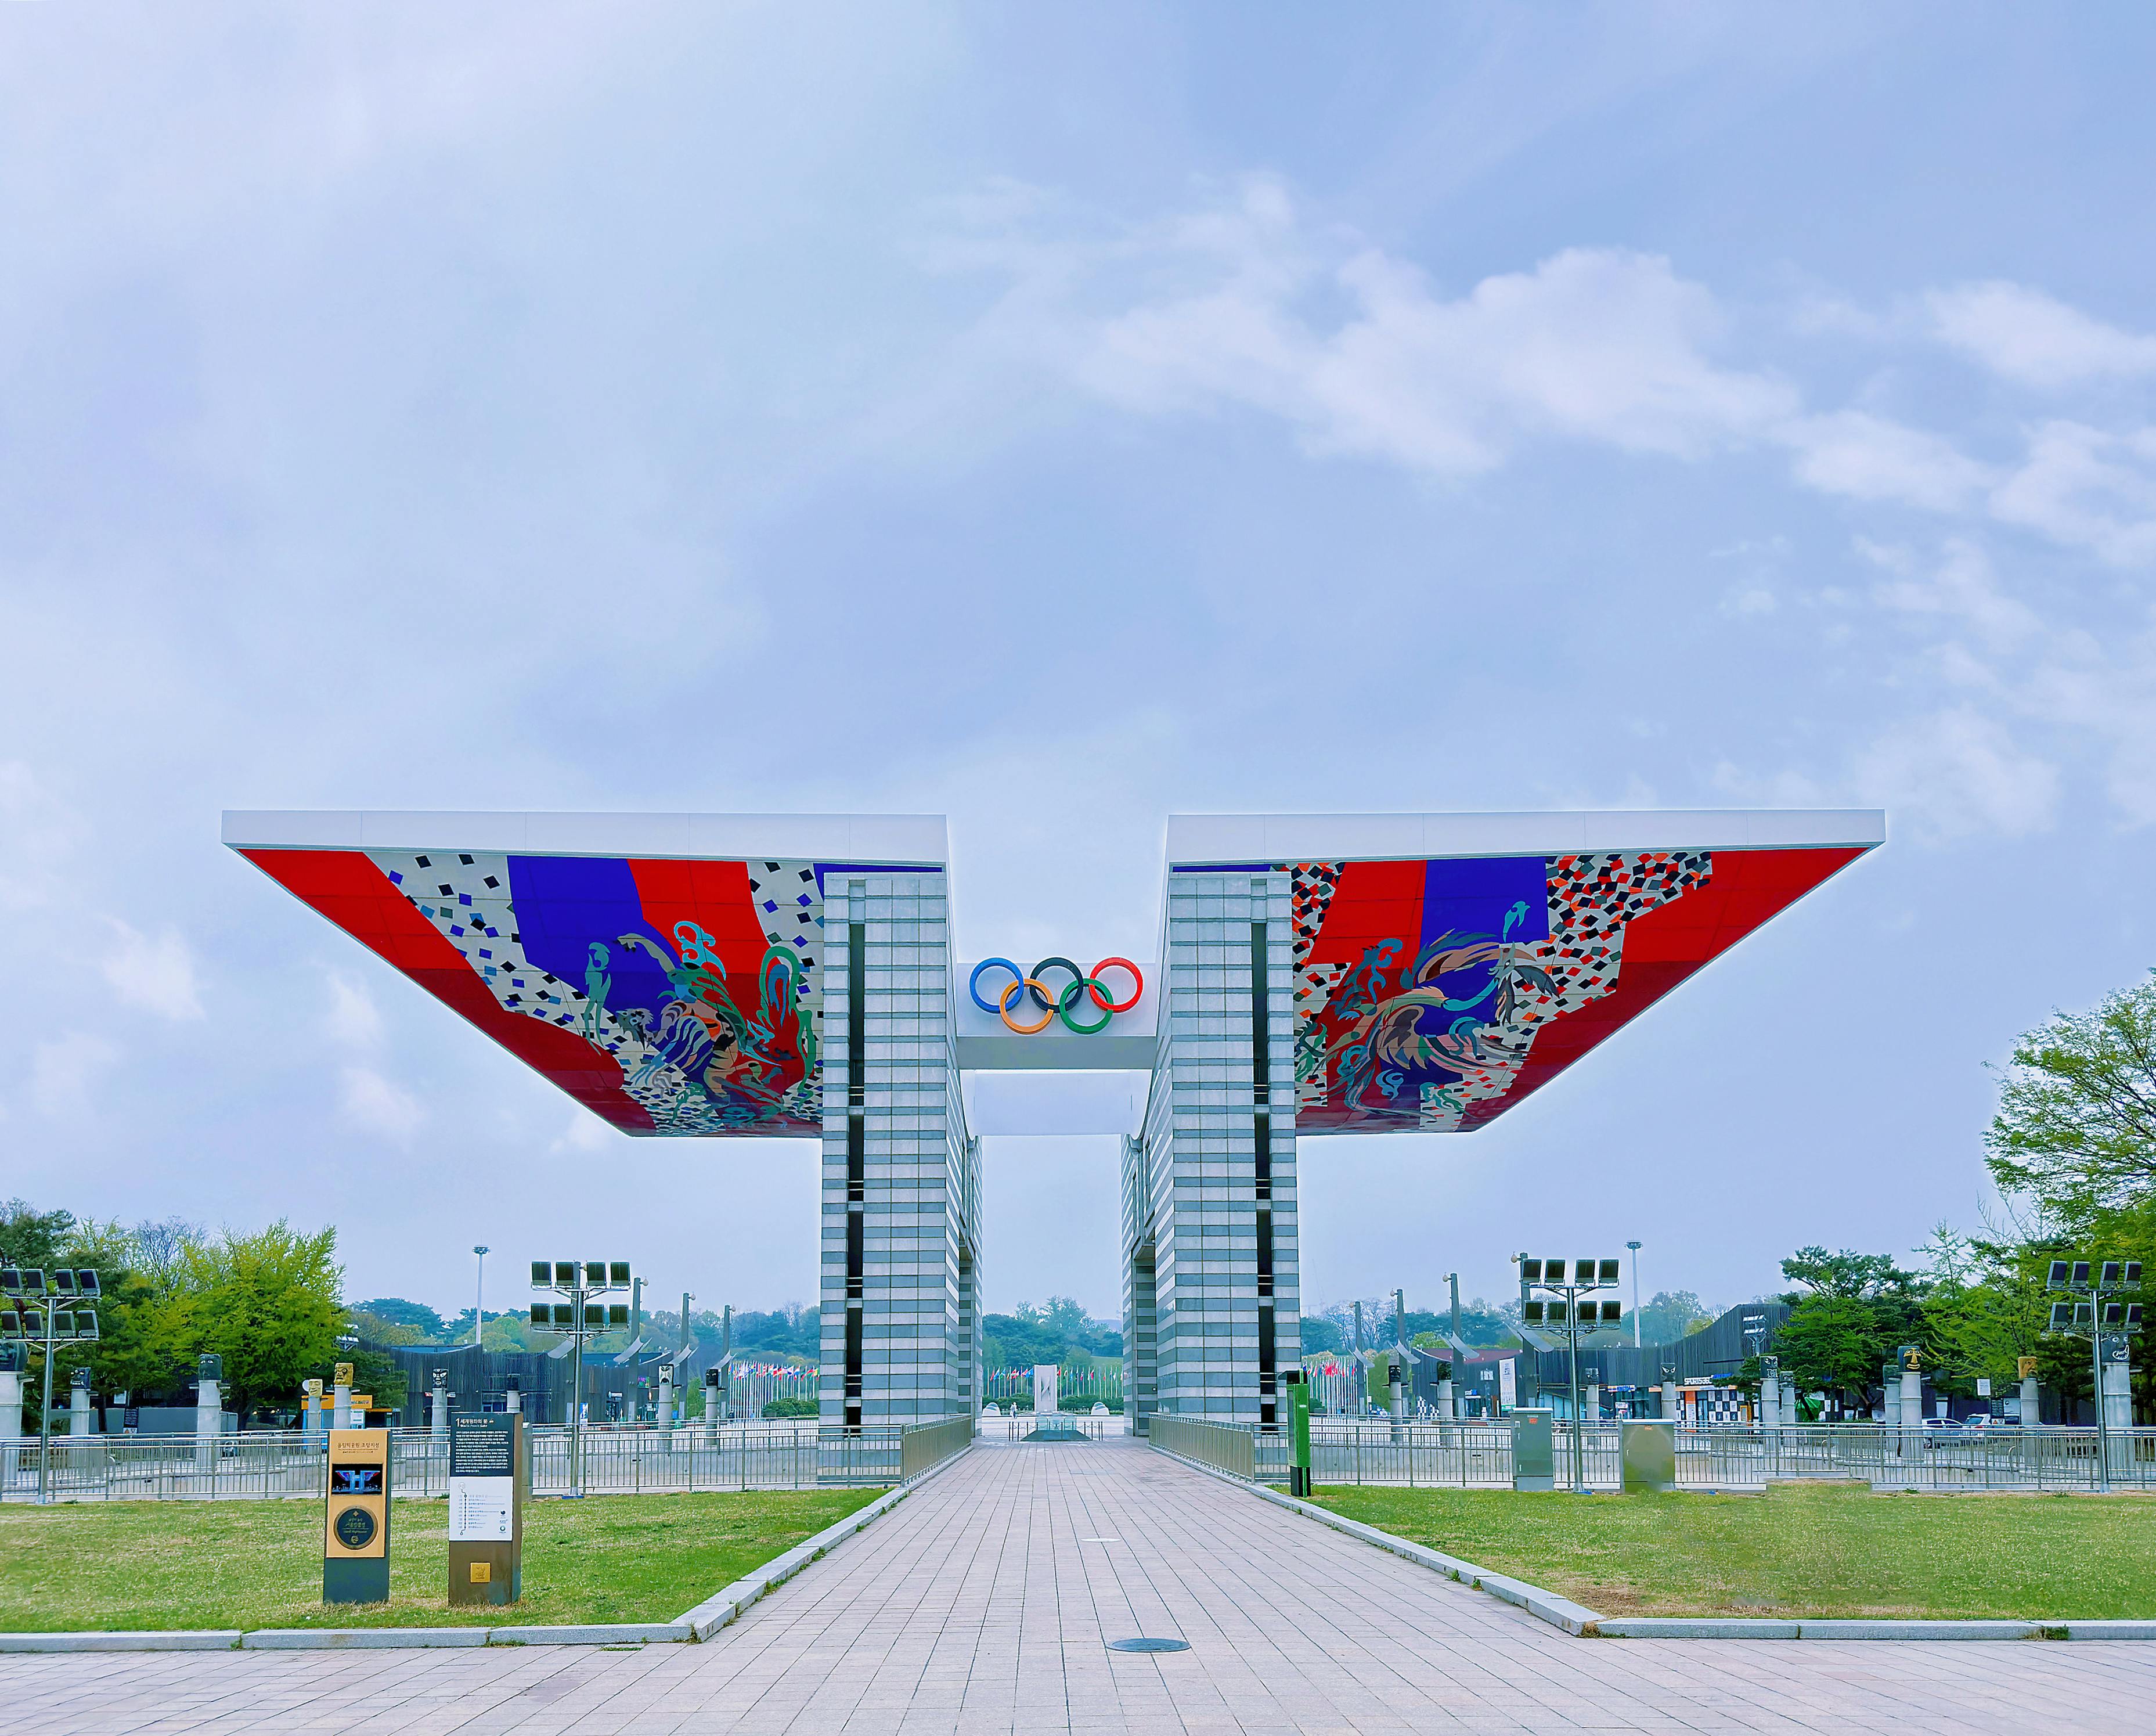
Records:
x=1593, y=344
x=354, y=1021
x=584, y=1131
x=374, y=1104
x=1963, y=589
x=153, y=976
x=65, y=1071
x=1868, y=458
x=2024, y=335
x=40, y=830
x=1958, y=773
x=2087, y=489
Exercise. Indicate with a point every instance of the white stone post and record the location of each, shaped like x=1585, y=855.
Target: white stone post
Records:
x=715, y=1403
x=340, y=1406
x=1590, y=1403
x=1444, y=1410
x=10, y=1424
x=438, y=1409
x=1913, y=1414
x=209, y=1424
x=79, y=1420
x=512, y=1398
x=1671, y=1411
x=666, y=1401
x=2118, y=1413
x=2032, y=1404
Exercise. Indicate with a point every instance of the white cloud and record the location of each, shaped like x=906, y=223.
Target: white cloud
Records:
x=1593, y=344
x=354, y=1021
x=1958, y=773
x=65, y=1071
x=2030, y=338
x=373, y=1103
x=2087, y=489
x=584, y=1131
x=1963, y=589
x=1854, y=453
x=39, y=831
x=153, y=976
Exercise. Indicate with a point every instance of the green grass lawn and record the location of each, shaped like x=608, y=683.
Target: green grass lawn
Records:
x=259, y=1564
x=1810, y=1549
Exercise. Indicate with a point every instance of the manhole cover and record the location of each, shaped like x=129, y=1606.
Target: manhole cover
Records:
x=1148, y=1645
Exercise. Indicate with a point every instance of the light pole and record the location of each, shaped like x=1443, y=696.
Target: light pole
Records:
x=579, y=1317
x=479, y=1301
x=1634, y=1248
x=44, y=1327
x=2100, y=1317
x=1572, y=1317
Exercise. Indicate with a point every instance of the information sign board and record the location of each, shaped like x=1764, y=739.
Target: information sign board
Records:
x=486, y=1513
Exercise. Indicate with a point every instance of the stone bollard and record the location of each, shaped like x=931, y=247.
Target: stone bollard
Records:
x=340, y=1405
x=438, y=1406
x=1912, y=1415
x=80, y=1422
x=1445, y=1413
x=1590, y=1403
x=666, y=1401
x=1669, y=1406
x=512, y=1397
x=715, y=1404
x=209, y=1422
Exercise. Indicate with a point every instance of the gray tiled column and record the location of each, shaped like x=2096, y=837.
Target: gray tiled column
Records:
x=917, y=1193
x=1209, y=1188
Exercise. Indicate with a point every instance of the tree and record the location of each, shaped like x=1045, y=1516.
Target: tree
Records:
x=1831, y=1343
x=418, y=1324
x=1847, y=1273
x=1670, y=1315
x=271, y=1305
x=2075, y=1128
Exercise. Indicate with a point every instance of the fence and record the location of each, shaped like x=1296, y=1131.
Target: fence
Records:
x=1476, y=1454
x=1095, y=1382
x=640, y=1460
x=1019, y=1425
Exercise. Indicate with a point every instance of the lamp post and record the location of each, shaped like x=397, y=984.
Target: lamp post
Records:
x=578, y=1318
x=479, y=1301
x=1633, y=1248
x=2100, y=1317
x=44, y=1327
x=1572, y=1317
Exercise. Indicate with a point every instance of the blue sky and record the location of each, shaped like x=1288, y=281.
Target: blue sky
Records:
x=1055, y=422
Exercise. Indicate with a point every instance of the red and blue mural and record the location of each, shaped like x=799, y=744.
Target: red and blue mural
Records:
x=1435, y=994
x=670, y=996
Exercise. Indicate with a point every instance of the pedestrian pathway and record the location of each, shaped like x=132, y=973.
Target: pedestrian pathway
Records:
x=986, y=1601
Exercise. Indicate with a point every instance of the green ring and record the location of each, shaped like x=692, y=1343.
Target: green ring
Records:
x=1070, y=997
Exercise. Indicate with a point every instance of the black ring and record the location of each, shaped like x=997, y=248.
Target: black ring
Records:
x=1040, y=969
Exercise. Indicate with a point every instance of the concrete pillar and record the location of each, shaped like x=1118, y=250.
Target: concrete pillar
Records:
x=2117, y=1413
x=2032, y=1404
x=438, y=1409
x=1770, y=1400
x=1913, y=1414
x=1669, y=1409
x=341, y=1407
x=80, y=1422
x=11, y=1422
x=209, y=1423
x=512, y=1397
x=1445, y=1411
x=715, y=1404
x=666, y=1398
x=310, y=1412
x=1590, y=1403
x=1890, y=1381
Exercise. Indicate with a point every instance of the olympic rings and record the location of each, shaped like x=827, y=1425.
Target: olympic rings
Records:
x=1054, y=1004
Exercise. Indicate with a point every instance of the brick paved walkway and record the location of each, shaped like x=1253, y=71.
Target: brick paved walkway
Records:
x=984, y=1603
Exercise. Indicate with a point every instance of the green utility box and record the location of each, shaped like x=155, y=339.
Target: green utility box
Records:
x=1534, y=1455
x=1650, y=1451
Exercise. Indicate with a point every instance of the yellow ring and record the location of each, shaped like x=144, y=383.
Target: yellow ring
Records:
x=1011, y=994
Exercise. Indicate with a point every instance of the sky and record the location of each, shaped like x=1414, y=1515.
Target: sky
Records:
x=1056, y=419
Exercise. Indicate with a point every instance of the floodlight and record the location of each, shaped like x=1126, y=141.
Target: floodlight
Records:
x=594, y=1274
x=2062, y=1317
x=2134, y=1317
x=2114, y=1315
x=1612, y=1313
x=11, y=1324
x=542, y=1313
x=618, y=1272
x=2133, y=1271
x=86, y=1284
x=2085, y=1314
x=1552, y=1272
x=33, y=1323
x=2057, y=1279
x=565, y=1271
x=11, y=1281
x=2080, y=1274
x=1555, y=1313
x=594, y=1315
x=33, y=1282
x=1608, y=1272
x=1532, y=1313
x=1530, y=1271
x=565, y=1316
x=1583, y=1272
x=63, y=1281
x=63, y=1323
x=618, y=1314
x=542, y=1274
x=2110, y=1270
x=85, y=1326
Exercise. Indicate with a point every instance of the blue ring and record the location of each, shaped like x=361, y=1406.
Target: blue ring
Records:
x=974, y=982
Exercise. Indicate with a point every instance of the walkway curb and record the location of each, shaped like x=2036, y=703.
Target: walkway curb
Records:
x=700, y=1623
x=1581, y=1622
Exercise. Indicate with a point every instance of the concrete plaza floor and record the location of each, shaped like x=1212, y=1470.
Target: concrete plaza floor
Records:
x=986, y=1601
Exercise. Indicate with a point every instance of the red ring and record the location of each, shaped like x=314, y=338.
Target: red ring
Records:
x=1136, y=994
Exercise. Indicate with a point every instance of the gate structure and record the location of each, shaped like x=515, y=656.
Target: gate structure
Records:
x=794, y=975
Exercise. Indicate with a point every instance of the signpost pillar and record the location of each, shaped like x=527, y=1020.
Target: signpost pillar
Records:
x=356, y=1531
x=488, y=1473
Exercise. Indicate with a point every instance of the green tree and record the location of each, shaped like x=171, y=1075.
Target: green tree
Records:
x=271, y=1305
x=1670, y=1315
x=2075, y=1129
x=1832, y=1344
x=1846, y=1273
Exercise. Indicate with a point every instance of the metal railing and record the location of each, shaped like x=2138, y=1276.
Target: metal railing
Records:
x=1479, y=1454
x=1019, y=1426
x=639, y=1461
